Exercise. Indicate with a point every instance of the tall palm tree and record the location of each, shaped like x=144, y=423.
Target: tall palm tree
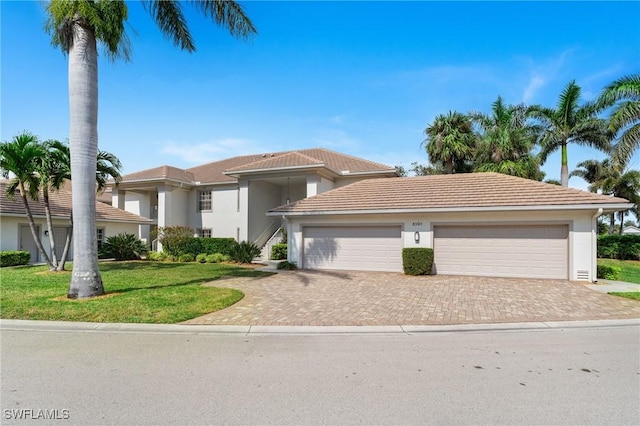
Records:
x=450, y=141
x=20, y=159
x=569, y=123
x=624, y=121
x=77, y=27
x=506, y=141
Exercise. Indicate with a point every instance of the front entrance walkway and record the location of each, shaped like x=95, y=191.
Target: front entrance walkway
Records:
x=376, y=298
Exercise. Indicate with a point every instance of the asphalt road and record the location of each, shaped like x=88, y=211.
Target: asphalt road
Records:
x=585, y=376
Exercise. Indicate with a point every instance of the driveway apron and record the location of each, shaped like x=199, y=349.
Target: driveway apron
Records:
x=350, y=298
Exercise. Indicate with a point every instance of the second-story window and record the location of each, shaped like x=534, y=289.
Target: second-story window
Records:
x=204, y=200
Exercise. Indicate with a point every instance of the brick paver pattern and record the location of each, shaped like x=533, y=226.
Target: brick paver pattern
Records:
x=381, y=298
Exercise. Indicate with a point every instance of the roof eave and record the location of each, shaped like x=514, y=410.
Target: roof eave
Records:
x=606, y=208
x=272, y=170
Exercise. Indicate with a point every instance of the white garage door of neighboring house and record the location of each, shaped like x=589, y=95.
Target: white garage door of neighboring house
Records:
x=502, y=251
x=358, y=248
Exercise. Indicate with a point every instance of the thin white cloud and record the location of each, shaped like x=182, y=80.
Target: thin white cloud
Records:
x=530, y=91
x=205, y=152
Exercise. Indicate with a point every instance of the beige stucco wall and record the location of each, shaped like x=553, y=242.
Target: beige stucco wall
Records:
x=582, y=250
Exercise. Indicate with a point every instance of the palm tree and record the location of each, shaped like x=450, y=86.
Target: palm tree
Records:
x=77, y=27
x=58, y=172
x=569, y=123
x=624, y=121
x=450, y=141
x=20, y=158
x=607, y=178
x=506, y=140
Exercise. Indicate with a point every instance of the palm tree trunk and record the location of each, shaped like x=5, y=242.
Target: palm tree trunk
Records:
x=450, y=166
x=564, y=169
x=67, y=244
x=612, y=223
x=52, y=240
x=621, y=222
x=83, y=144
x=32, y=226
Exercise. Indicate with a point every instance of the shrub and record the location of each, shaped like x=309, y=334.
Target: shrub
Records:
x=123, y=247
x=201, y=258
x=278, y=251
x=244, y=252
x=217, y=258
x=609, y=272
x=186, y=257
x=14, y=257
x=216, y=245
x=287, y=265
x=157, y=256
x=417, y=260
x=174, y=239
x=624, y=247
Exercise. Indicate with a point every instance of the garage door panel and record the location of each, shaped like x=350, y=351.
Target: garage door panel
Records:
x=367, y=248
x=509, y=251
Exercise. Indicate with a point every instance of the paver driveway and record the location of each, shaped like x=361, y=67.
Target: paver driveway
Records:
x=377, y=298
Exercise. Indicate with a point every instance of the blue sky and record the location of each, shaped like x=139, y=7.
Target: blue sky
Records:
x=363, y=78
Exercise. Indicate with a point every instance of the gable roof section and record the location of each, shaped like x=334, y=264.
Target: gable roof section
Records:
x=468, y=191
x=162, y=172
x=60, y=204
x=224, y=171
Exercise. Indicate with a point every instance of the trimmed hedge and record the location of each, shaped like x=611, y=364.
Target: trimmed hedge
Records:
x=278, y=252
x=623, y=247
x=417, y=260
x=607, y=272
x=14, y=257
x=199, y=245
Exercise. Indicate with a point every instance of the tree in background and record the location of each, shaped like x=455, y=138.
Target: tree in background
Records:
x=450, y=141
x=77, y=27
x=569, y=123
x=505, y=141
x=624, y=96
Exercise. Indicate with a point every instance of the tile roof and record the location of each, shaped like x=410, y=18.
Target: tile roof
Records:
x=445, y=192
x=60, y=204
x=215, y=172
x=162, y=172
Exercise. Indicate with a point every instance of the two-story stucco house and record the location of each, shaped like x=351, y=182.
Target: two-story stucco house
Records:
x=230, y=198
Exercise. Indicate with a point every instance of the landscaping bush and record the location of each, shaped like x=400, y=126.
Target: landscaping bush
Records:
x=244, y=252
x=14, y=258
x=287, y=265
x=278, y=251
x=217, y=258
x=609, y=272
x=216, y=245
x=123, y=247
x=174, y=239
x=186, y=257
x=157, y=256
x=201, y=258
x=623, y=247
x=417, y=260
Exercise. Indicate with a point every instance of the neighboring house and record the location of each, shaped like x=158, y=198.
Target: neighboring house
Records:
x=482, y=224
x=634, y=230
x=230, y=198
x=15, y=233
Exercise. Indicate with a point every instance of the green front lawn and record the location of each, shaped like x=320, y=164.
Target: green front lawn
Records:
x=137, y=292
x=630, y=269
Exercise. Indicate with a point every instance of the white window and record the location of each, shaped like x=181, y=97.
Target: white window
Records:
x=100, y=237
x=204, y=200
x=204, y=232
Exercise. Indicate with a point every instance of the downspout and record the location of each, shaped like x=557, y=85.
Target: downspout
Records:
x=287, y=223
x=594, y=245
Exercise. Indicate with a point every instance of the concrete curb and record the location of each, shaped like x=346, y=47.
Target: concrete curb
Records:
x=89, y=327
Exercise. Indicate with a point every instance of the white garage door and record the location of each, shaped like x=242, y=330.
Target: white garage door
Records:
x=358, y=248
x=502, y=251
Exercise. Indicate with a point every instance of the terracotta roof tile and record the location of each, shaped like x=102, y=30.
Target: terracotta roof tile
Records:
x=60, y=205
x=215, y=172
x=445, y=191
x=162, y=172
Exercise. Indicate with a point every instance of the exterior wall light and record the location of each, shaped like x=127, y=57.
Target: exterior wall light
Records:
x=416, y=237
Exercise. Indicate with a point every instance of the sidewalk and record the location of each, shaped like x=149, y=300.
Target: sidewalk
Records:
x=608, y=286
